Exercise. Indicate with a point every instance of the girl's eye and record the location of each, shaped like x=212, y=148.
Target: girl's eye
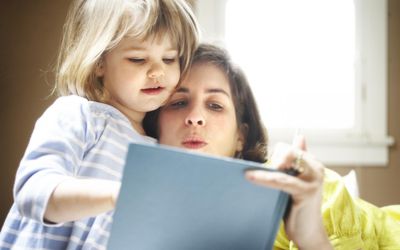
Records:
x=169, y=60
x=215, y=106
x=178, y=104
x=137, y=60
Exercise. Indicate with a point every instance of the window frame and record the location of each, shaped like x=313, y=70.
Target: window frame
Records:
x=368, y=143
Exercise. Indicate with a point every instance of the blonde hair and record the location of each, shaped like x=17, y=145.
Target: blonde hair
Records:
x=96, y=26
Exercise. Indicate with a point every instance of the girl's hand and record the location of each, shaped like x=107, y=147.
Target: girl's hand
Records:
x=304, y=223
x=77, y=198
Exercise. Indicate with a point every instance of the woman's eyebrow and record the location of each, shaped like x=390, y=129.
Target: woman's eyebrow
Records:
x=182, y=90
x=208, y=91
x=217, y=90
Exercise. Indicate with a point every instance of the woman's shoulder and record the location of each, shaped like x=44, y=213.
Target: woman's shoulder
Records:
x=352, y=222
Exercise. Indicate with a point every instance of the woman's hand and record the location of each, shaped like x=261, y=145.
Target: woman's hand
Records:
x=304, y=223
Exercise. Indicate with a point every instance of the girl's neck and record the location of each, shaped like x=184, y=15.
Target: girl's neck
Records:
x=135, y=117
x=138, y=127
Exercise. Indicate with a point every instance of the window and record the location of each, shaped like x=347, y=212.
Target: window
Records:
x=317, y=65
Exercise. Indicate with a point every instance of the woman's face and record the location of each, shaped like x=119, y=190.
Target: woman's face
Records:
x=200, y=115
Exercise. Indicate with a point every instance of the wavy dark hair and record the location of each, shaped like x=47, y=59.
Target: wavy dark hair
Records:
x=247, y=114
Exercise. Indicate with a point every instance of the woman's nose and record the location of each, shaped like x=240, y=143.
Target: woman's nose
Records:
x=195, y=119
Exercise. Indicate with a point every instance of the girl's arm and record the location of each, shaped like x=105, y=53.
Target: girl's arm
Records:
x=45, y=188
x=75, y=198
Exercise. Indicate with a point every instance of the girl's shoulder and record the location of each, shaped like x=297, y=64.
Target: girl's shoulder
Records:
x=88, y=117
x=74, y=106
x=79, y=114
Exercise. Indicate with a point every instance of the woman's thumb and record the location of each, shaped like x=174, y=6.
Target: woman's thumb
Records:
x=299, y=141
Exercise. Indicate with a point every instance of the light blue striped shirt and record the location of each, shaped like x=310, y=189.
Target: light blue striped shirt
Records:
x=74, y=137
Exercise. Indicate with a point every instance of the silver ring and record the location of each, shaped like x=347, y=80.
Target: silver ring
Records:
x=297, y=164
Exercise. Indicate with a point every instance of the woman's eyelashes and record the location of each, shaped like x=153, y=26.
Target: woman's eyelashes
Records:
x=215, y=106
x=182, y=103
x=177, y=104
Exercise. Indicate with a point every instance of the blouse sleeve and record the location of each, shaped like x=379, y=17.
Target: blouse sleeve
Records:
x=352, y=223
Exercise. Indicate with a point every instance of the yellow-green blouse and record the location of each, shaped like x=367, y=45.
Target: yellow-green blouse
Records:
x=352, y=223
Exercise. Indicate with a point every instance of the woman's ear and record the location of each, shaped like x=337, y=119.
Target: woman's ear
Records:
x=242, y=134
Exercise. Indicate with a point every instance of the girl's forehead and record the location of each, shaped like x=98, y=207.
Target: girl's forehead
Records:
x=144, y=43
x=155, y=36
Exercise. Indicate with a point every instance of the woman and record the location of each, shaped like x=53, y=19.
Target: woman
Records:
x=214, y=111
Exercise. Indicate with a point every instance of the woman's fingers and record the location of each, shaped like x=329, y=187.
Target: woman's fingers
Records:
x=311, y=169
x=287, y=156
x=290, y=184
x=299, y=141
x=305, y=220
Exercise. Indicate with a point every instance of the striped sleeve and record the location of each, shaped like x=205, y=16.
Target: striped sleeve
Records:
x=54, y=152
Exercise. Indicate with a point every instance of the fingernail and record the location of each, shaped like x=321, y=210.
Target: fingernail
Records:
x=250, y=176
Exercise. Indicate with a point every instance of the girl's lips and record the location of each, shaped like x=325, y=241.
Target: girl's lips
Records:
x=194, y=143
x=153, y=91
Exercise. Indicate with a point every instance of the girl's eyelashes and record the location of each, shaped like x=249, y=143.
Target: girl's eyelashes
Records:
x=169, y=60
x=137, y=60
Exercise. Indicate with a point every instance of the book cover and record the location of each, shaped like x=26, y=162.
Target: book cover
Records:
x=175, y=199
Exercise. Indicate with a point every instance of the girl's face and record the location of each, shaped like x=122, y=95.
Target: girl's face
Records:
x=140, y=75
x=200, y=115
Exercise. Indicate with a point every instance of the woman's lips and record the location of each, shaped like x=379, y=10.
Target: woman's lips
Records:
x=194, y=143
x=152, y=91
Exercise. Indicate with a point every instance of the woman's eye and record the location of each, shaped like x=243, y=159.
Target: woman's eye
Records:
x=177, y=104
x=215, y=106
x=137, y=60
x=169, y=60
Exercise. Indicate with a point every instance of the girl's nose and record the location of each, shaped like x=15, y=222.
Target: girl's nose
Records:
x=156, y=71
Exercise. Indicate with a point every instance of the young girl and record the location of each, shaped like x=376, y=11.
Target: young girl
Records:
x=119, y=59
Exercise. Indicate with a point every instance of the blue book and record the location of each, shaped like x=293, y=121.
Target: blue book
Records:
x=180, y=200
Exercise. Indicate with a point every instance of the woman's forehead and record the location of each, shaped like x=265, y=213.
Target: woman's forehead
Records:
x=206, y=77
